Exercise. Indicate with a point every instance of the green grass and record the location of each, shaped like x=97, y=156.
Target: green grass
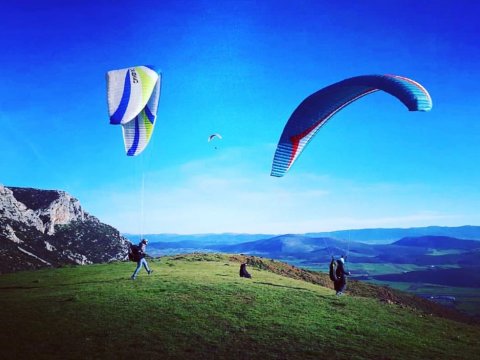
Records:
x=198, y=307
x=468, y=299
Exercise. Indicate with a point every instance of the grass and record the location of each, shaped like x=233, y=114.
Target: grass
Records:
x=467, y=299
x=197, y=307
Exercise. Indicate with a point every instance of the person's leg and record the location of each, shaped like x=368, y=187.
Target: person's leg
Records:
x=145, y=265
x=139, y=266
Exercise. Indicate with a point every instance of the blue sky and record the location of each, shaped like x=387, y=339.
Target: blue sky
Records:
x=240, y=68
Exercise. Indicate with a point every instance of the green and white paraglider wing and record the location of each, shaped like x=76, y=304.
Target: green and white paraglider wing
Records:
x=133, y=95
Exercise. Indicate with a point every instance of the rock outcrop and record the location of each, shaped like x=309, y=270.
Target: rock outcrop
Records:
x=44, y=228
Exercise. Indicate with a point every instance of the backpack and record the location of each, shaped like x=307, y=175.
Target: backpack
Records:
x=333, y=269
x=134, y=252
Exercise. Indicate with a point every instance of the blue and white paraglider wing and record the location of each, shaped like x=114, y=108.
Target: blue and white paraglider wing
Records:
x=213, y=136
x=318, y=108
x=133, y=95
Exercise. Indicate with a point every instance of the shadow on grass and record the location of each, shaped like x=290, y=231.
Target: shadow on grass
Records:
x=17, y=287
x=282, y=286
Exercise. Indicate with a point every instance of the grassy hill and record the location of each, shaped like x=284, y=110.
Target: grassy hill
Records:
x=196, y=306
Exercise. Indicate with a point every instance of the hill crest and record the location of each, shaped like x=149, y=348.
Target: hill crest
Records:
x=200, y=308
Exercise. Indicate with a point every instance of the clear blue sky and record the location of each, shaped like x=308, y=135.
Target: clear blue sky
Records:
x=240, y=68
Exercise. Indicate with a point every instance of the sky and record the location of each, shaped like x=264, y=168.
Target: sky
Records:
x=240, y=68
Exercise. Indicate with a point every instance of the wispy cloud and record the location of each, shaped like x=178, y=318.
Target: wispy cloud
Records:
x=231, y=193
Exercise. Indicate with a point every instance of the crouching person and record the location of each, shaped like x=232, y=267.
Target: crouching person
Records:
x=243, y=271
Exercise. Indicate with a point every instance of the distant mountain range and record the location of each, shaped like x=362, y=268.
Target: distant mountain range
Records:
x=381, y=235
x=422, y=249
x=372, y=244
x=438, y=242
x=369, y=236
x=441, y=260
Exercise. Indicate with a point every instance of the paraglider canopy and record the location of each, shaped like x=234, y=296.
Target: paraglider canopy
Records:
x=213, y=136
x=318, y=108
x=133, y=95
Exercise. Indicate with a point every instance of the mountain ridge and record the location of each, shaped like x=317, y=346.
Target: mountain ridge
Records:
x=49, y=228
x=369, y=235
x=438, y=242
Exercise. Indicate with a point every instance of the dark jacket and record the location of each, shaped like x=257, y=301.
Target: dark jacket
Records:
x=244, y=272
x=141, y=250
x=341, y=274
x=340, y=271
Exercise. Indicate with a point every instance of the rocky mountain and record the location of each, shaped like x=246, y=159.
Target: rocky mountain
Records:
x=48, y=228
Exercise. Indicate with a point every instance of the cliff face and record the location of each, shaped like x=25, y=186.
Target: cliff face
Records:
x=43, y=228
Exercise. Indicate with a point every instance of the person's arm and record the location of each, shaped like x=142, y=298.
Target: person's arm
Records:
x=342, y=269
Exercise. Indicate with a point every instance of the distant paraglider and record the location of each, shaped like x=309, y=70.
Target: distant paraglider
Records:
x=319, y=107
x=213, y=136
x=133, y=95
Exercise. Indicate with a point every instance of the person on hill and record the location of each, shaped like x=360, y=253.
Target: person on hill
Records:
x=141, y=261
x=243, y=271
x=341, y=283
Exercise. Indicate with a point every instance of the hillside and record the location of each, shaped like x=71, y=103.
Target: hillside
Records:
x=196, y=306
